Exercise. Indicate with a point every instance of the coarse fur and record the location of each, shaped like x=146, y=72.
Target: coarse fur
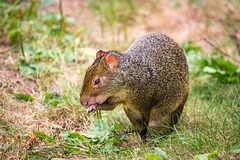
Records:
x=150, y=79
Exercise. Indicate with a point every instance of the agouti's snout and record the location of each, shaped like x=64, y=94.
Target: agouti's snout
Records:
x=84, y=100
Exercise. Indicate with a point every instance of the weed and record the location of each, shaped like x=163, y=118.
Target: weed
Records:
x=215, y=66
x=113, y=13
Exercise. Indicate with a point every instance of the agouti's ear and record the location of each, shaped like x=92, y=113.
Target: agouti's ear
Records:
x=111, y=61
x=100, y=53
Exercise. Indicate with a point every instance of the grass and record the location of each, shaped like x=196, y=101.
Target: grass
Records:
x=210, y=121
x=55, y=125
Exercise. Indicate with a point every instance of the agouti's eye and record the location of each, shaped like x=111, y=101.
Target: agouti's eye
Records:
x=97, y=81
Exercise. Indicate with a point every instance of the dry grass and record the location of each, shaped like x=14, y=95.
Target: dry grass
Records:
x=211, y=116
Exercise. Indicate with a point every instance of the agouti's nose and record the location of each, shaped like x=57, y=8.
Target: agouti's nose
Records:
x=84, y=101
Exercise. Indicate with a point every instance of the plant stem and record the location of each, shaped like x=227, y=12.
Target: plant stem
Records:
x=222, y=52
x=102, y=29
x=62, y=24
x=125, y=32
x=113, y=34
x=21, y=45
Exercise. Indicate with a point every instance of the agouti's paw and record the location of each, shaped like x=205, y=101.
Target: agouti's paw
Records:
x=92, y=108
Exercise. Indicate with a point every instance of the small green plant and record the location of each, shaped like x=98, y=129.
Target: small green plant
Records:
x=198, y=2
x=207, y=156
x=53, y=99
x=100, y=138
x=24, y=97
x=46, y=42
x=104, y=137
x=113, y=13
x=235, y=148
x=215, y=66
x=224, y=71
x=157, y=155
x=196, y=59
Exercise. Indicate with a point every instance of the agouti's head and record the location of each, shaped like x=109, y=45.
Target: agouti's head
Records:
x=95, y=88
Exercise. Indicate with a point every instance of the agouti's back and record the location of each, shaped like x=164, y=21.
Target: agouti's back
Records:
x=150, y=79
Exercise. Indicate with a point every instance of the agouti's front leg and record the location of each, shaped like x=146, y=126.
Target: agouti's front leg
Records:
x=94, y=107
x=139, y=121
x=106, y=107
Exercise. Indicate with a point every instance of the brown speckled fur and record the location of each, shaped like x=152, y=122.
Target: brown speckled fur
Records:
x=151, y=81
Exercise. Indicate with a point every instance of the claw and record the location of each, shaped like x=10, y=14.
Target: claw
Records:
x=92, y=108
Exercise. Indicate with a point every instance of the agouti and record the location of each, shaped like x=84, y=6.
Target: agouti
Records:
x=150, y=79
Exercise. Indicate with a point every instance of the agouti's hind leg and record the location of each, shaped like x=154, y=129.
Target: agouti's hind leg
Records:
x=139, y=121
x=175, y=116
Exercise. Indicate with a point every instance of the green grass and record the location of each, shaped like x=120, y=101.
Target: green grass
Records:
x=51, y=71
x=210, y=121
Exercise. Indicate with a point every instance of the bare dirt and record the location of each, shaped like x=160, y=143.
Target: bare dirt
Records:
x=182, y=24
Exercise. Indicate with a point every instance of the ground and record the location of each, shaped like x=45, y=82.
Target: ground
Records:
x=178, y=19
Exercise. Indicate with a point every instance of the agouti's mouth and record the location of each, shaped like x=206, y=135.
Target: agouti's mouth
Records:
x=104, y=102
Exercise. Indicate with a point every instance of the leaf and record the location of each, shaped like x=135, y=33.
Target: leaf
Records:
x=70, y=20
x=207, y=156
x=53, y=99
x=235, y=148
x=160, y=153
x=29, y=48
x=38, y=67
x=117, y=141
x=41, y=135
x=56, y=126
x=196, y=61
x=74, y=134
x=126, y=138
x=69, y=55
x=209, y=70
x=54, y=102
x=56, y=31
x=190, y=46
x=109, y=147
x=24, y=97
x=64, y=134
x=3, y=4
x=26, y=70
x=52, y=139
x=226, y=65
x=46, y=3
x=93, y=134
x=13, y=34
x=100, y=129
x=32, y=134
x=100, y=125
x=117, y=125
x=152, y=156
x=32, y=138
x=238, y=70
